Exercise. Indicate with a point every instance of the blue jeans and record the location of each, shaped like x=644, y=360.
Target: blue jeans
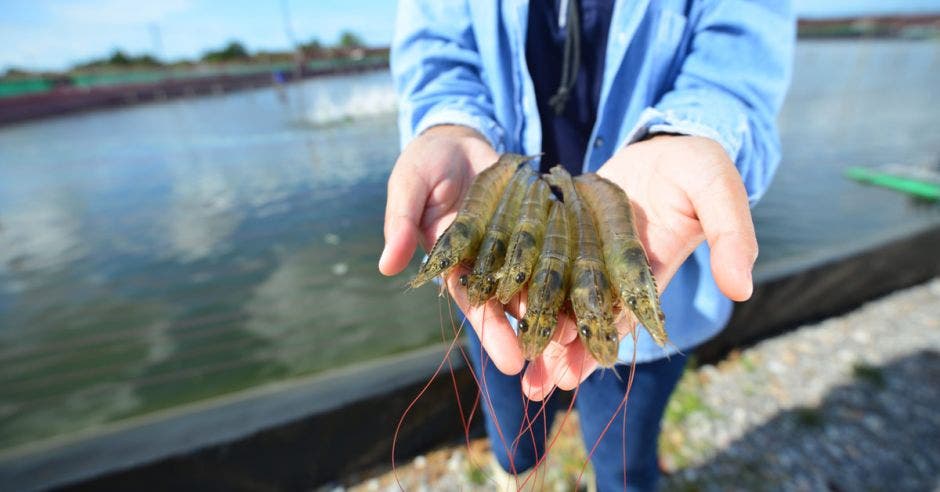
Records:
x=597, y=400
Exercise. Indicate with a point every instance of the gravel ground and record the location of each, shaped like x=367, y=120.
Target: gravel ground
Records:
x=848, y=404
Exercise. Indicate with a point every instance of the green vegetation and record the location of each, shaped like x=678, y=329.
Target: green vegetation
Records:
x=349, y=39
x=924, y=26
x=869, y=374
x=808, y=417
x=233, y=51
x=233, y=58
x=686, y=401
x=119, y=58
x=476, y=475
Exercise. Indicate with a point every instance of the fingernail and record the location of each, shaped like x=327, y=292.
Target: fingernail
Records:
x=384, y=254
x=750, y=282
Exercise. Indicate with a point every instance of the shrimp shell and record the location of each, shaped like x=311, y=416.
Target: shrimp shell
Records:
x=526, y=241
x=549, y=285
x=461, y=239
x=591, y=294
x=624, y=254
x=481, y=283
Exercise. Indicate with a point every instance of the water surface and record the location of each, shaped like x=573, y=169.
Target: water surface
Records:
x=167, y=253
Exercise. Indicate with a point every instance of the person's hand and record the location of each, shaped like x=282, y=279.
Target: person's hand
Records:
x=425, y=191
x=683, y=190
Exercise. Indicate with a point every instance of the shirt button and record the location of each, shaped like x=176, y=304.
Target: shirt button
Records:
x=598, y=142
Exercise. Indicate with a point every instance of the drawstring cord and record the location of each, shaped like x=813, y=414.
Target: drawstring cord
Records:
x=571, y=60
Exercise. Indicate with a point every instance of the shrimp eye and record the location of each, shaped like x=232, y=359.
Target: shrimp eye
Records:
x=463, y=280
x=585, y=331
x=444, y=263
x=546, y=332
x=490, y=279
x=611, y=337
x=520, y=277
x=523, y=325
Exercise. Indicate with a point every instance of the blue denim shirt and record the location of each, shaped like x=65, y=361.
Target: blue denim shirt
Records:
x=711, y=68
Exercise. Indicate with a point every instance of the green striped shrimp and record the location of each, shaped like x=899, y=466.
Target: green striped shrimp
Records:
x=526, y=241
x=549, y=285
x=627, y=263
x=481, y=282
x=460, y=241
x=591, y=294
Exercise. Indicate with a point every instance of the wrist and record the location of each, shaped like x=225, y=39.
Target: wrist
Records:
x=453, y=132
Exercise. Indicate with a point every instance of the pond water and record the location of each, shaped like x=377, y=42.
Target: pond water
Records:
x=167, y=253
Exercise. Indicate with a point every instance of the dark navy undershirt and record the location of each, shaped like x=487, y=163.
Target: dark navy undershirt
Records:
x=565, y=137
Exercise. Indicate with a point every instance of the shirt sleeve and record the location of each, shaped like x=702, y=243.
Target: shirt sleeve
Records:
x=436, y=69
x=731, y=85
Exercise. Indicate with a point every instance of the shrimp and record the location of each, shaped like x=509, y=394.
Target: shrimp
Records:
x=481, y=283
x=626, y=259
x=461, y=239
x=526, y=241
x=590, y=292
x=549, y=285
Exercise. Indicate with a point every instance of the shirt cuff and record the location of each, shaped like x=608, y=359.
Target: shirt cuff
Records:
x=490, y=130
x=653, y=120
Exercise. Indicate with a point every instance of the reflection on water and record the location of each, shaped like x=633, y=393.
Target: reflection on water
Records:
x=167, y=253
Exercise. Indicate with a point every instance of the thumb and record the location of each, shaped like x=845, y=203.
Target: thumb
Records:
x=407, y=195
x=726, y=221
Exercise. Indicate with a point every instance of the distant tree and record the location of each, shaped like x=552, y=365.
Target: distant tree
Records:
x=147, y=60
x=118, y=58
x=313, y=45
x=233, y=51
x=349, y=39
x=14, y=72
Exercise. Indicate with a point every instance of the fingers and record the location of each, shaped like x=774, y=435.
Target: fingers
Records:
x=726, y=221
x=492, y=327
x=559, y=366
x=564, y=363
x=407, y=195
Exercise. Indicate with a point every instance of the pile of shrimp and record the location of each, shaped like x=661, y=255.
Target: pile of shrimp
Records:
x=580, y=254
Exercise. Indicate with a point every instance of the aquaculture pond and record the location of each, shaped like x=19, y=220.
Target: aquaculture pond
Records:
x=168, y=253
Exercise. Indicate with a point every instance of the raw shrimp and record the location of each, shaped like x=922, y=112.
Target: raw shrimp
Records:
x=461, y=239
x=526, y=241
x=549, y=285
x=481, y=283
x=624, y=255
x=591, y=294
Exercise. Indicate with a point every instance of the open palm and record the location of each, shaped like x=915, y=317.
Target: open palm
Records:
x=424, y=193
x=683, y=190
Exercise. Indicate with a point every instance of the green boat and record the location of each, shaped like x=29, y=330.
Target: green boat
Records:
x=920, y=187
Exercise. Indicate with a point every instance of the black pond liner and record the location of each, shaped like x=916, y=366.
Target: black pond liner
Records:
x=317, y=431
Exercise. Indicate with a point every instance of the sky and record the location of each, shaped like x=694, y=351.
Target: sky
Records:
x=54, y=34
